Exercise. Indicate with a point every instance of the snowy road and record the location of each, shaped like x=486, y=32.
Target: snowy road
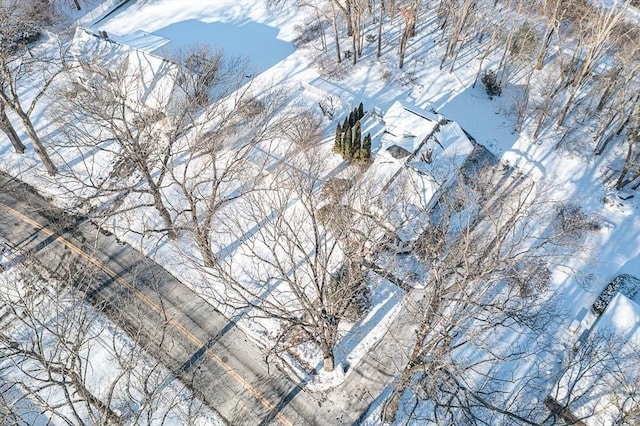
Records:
x=202, y=348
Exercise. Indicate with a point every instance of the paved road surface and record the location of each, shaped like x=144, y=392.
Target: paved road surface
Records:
x=230, y=374
x=212, y=356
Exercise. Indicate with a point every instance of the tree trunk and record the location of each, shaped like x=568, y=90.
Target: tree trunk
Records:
x=391, y=408
x=37, y=144
x=606, y=94
x=7, y=129
x=348, y=15
x=622, y=182
x=162, y=210
x=202, y=239
x=403, y=47
x=543, y=50
x=336, y=36
x=565, y=109
x=379, y=50
x=329, y=361
x=354, y=52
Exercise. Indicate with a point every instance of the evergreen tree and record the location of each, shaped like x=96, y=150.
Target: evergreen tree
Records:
x=366, y=147
x=357, y=137
x=360, y=111
x=337, y=145
x=346, y=144
x=352, y=119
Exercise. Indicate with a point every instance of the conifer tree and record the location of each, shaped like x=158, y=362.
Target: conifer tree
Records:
x=337, y=145
x=357, y=137
x=366, y=147
x=360, y=111
x=346, y=144
x=352, y=118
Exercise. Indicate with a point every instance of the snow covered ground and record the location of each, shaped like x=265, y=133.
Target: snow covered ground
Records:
x=250, y=28
x=49, y=327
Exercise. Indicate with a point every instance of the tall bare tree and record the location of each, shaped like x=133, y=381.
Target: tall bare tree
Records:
x=595, y=29
x=489, y=267
x=598, y=382
x=300, y=258
x=19, y=26
x=226, y=158
x=138, y=112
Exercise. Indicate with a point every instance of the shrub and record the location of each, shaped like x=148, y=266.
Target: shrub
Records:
x=335, y=188
x=625, y=284
x=490, y=81
x=524, y=42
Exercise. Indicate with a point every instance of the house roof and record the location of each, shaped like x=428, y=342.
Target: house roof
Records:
x=141, y=40
x=621, y=317
x=406, y=126
x=145, y=77
x=398, y=152
x=594, y=388
x=419, y=153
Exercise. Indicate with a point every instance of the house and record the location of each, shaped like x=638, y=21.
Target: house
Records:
x=599, y=382
x=406, y=127
x=417, y=153
x=126, y=65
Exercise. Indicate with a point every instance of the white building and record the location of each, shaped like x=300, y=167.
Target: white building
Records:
x=601, y=379
x=126, y=64
x=418, y=153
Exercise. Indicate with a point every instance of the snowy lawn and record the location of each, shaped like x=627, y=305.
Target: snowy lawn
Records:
x=249, y=28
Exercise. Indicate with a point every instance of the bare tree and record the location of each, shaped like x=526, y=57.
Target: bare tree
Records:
x=62, y=359
x=631, y=166
x=595, y=29
x=598, y=382
x=489, y=262
x=409, y=13
x=8, y=129
x=227, y=157
x=138, y=113
x=456, y=22
x=19, y=27
x=301, y=259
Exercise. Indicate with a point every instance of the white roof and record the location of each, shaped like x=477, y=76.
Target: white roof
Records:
x=621, y=317
x=595, y=387
x=409, y=126
x=141, y=40
x=146, y=78
x=406, y=126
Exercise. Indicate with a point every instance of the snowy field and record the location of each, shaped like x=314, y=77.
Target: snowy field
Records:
x=249, y=28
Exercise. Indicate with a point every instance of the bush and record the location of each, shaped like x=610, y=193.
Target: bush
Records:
x=490, y=81
x=348, y=289
x=525, y=42
x=328, y=106
x=336, y=218
x=625, y=284
x=335, y=188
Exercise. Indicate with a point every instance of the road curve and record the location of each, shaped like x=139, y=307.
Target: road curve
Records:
x=211, y=356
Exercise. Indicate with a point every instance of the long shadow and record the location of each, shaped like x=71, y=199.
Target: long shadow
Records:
x=250, y=39
x=53, y=237
x=194, y=360
x=284, y=401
